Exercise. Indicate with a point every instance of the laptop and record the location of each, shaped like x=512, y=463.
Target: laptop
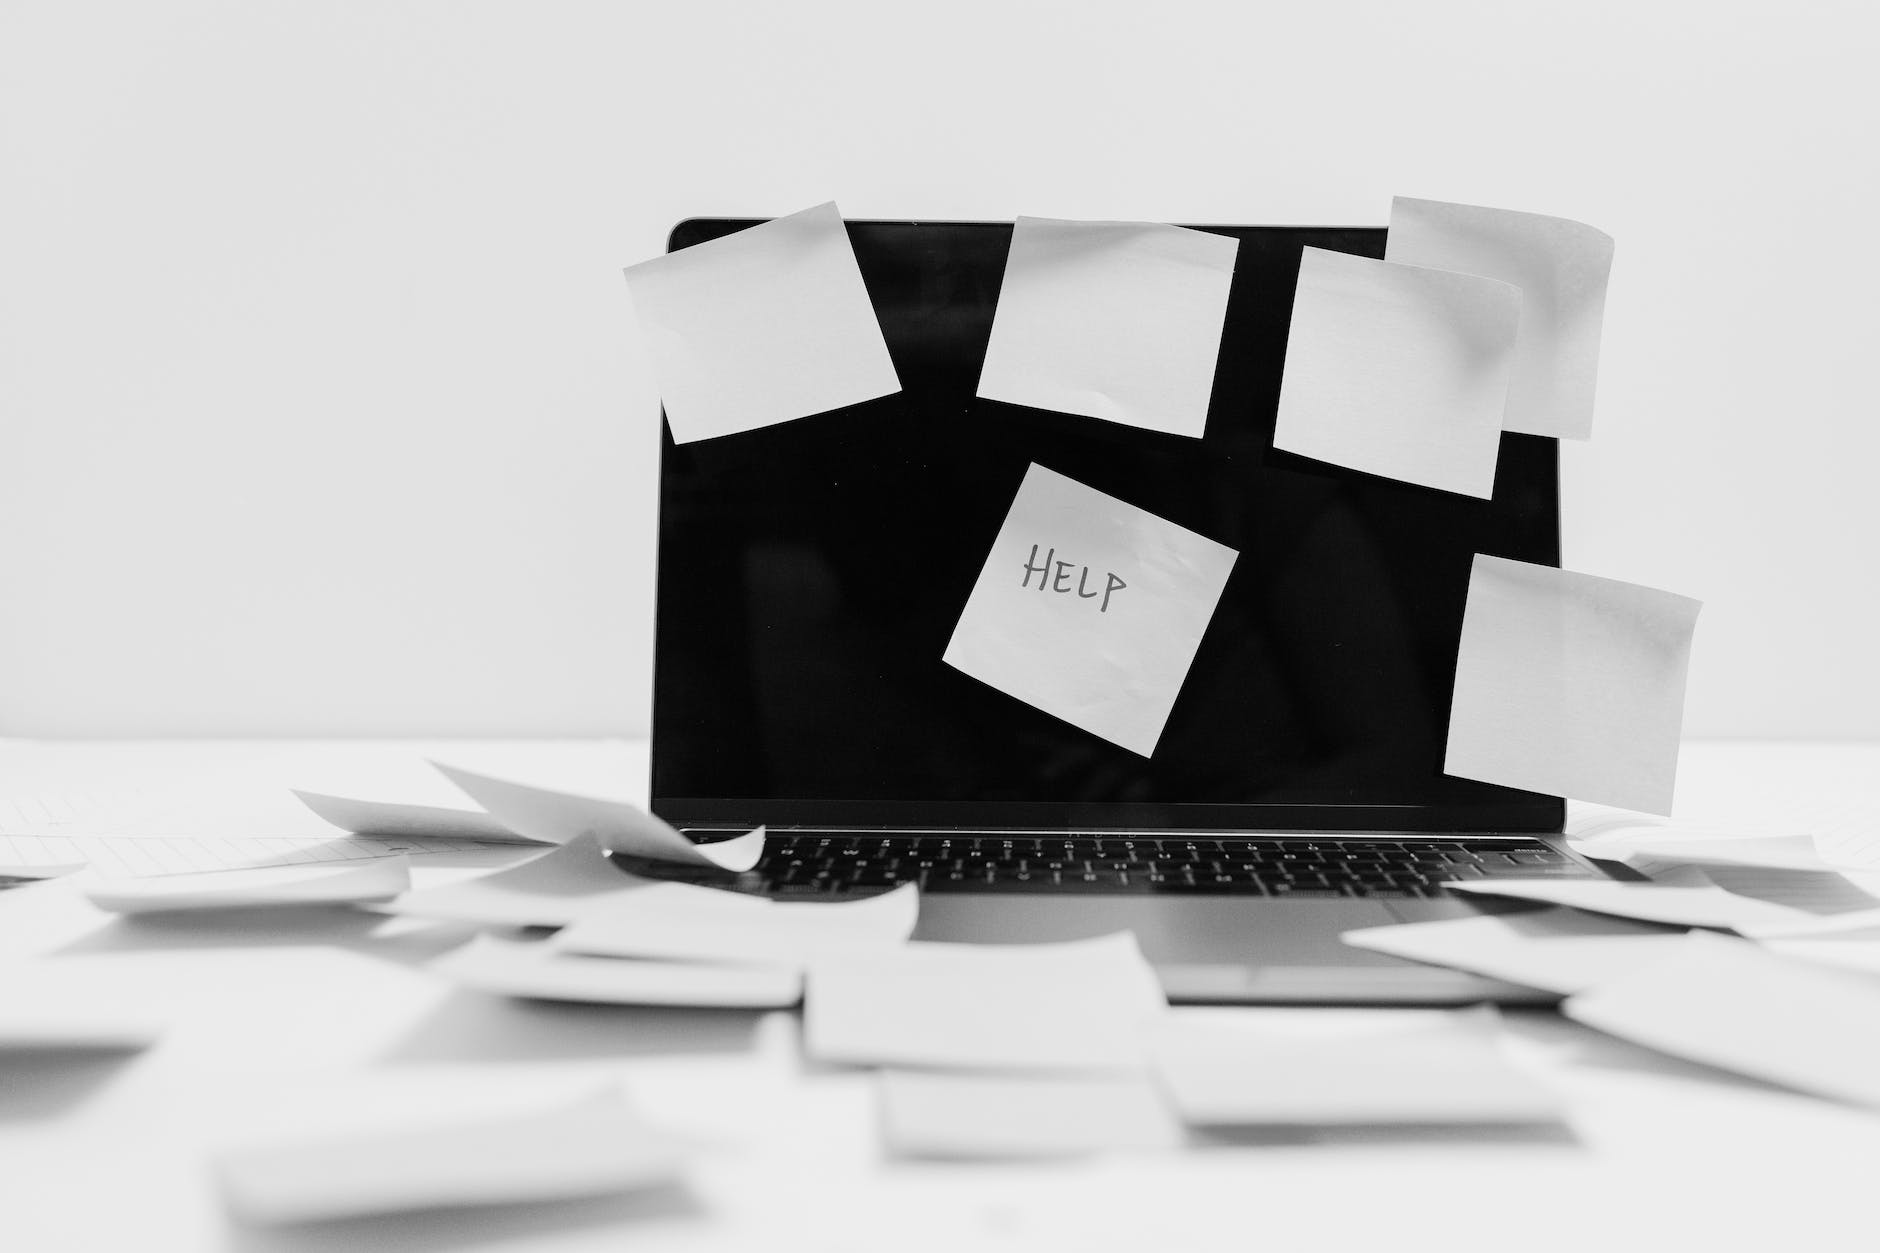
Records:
x=811, y=573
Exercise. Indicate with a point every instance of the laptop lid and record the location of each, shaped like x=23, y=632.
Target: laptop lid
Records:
x=811, y=573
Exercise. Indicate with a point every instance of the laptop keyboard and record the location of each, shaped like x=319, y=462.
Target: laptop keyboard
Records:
x=807, y=863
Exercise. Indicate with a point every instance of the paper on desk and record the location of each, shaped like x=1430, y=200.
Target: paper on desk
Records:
x=762, y=326
x=1684, y=904
x=1398, y=370
x=1090, y=609
x=685, y=922
x=1556, y=950
x=400, y=821
x=1081, y=1005
x=1570, y=684
x=343, y=883
x=1728, y=1003
x=939, y=1114
x=530, y=968
x=70, y=1003
x=1561, y=268
x=593, y=1146
x=1224, y=1069
x=1115, y=320
x=554, y=817
x=548, y=890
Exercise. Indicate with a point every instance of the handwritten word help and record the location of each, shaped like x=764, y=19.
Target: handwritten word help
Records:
x=1060, y=580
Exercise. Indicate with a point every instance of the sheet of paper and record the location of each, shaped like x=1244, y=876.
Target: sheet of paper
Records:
x=943, y=1115
x=1556, y=950
x=71, y=1003
x=763, y=326
x=590, y=1147
x=554, y=817
x=1052, y=1007
x=1115, y=320
x=1398, y=370
x=1090, y=609
x=270, y=888
x=532, y=969
x=391, y=819
x=1561, y=268
x=549, y=890
x=684, y=922
x=1677, y=905
x=1570, y=684
x=1227, y=1070
x=1728, y=1003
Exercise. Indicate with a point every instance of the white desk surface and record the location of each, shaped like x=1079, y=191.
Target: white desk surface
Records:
x=108, y=1153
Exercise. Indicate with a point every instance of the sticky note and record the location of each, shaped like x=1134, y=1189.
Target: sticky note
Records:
x=545, y=891
x=1561, y=268
x=688, y=922
x=347, y=883
x=1557, y=950
x=531, y=969
x=1398, y=370
x=1114, y=320
x=1090, y=609
x=763, y=326
x=1003, y=1117
x=1570, y=685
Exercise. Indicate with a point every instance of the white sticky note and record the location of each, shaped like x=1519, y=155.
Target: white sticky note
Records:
x=1090, y=609
x=1075, y=1006
x=1696, y=904
x=685, y=922
x=1115, y=320
x=944, y=1115
x=399, y=821
x=1570, y=685
x=1561, y=268
x=594, y=1146
x=75, y=1003
x=1556, y=950
x=1223, y=1072
x=348, y=883
x=531, y=969
x=555, y=817
x=1398, y=370
x=548, y=890
x=763, y=326
x=1729, y=1003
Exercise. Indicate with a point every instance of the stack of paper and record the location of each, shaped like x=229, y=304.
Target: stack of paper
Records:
x=346, y=883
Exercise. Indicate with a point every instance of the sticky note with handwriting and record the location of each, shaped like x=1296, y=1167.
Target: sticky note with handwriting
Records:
x=1090, y=609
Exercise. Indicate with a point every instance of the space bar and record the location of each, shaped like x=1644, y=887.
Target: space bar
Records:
x=1042, y=883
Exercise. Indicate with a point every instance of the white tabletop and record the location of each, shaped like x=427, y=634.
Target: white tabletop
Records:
x=110, y=1153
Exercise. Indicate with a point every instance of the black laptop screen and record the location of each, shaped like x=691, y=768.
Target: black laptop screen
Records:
x=811, y=574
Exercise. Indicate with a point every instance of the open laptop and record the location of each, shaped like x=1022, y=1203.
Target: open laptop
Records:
x=811, y=573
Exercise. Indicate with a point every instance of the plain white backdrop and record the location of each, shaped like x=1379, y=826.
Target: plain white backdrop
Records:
x=321, y=410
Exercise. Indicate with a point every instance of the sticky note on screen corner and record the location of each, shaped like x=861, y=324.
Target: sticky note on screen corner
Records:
x=1398, y=370
x=765, y=325
x=1090, y=609
x=1571, y=685
x=1561, y=267
x=1113, y=320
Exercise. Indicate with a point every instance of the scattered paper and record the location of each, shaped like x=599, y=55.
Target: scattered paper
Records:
x=592, y=1147
x=936, y=1114
x=1728, y=1003
x=388, y=819
x=1561, y=268
x=346, y=883
x=763, y=326
x=1398, y=370
x=1672, y=904
x=1090, y=609
x=549, y=890
x=1075, y=1006
x=1570, y=685
x=1224, y=1071
x=1115, y=320
x=1555, y=950
x=67, y=1003
x=530, y=968
x=685, y=922
x=554, y=817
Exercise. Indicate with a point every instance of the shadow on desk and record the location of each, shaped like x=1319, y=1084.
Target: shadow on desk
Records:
x=480, y=1027
x=45, y=1084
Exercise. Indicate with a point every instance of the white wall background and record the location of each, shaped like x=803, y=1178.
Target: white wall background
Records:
x=321, y=409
